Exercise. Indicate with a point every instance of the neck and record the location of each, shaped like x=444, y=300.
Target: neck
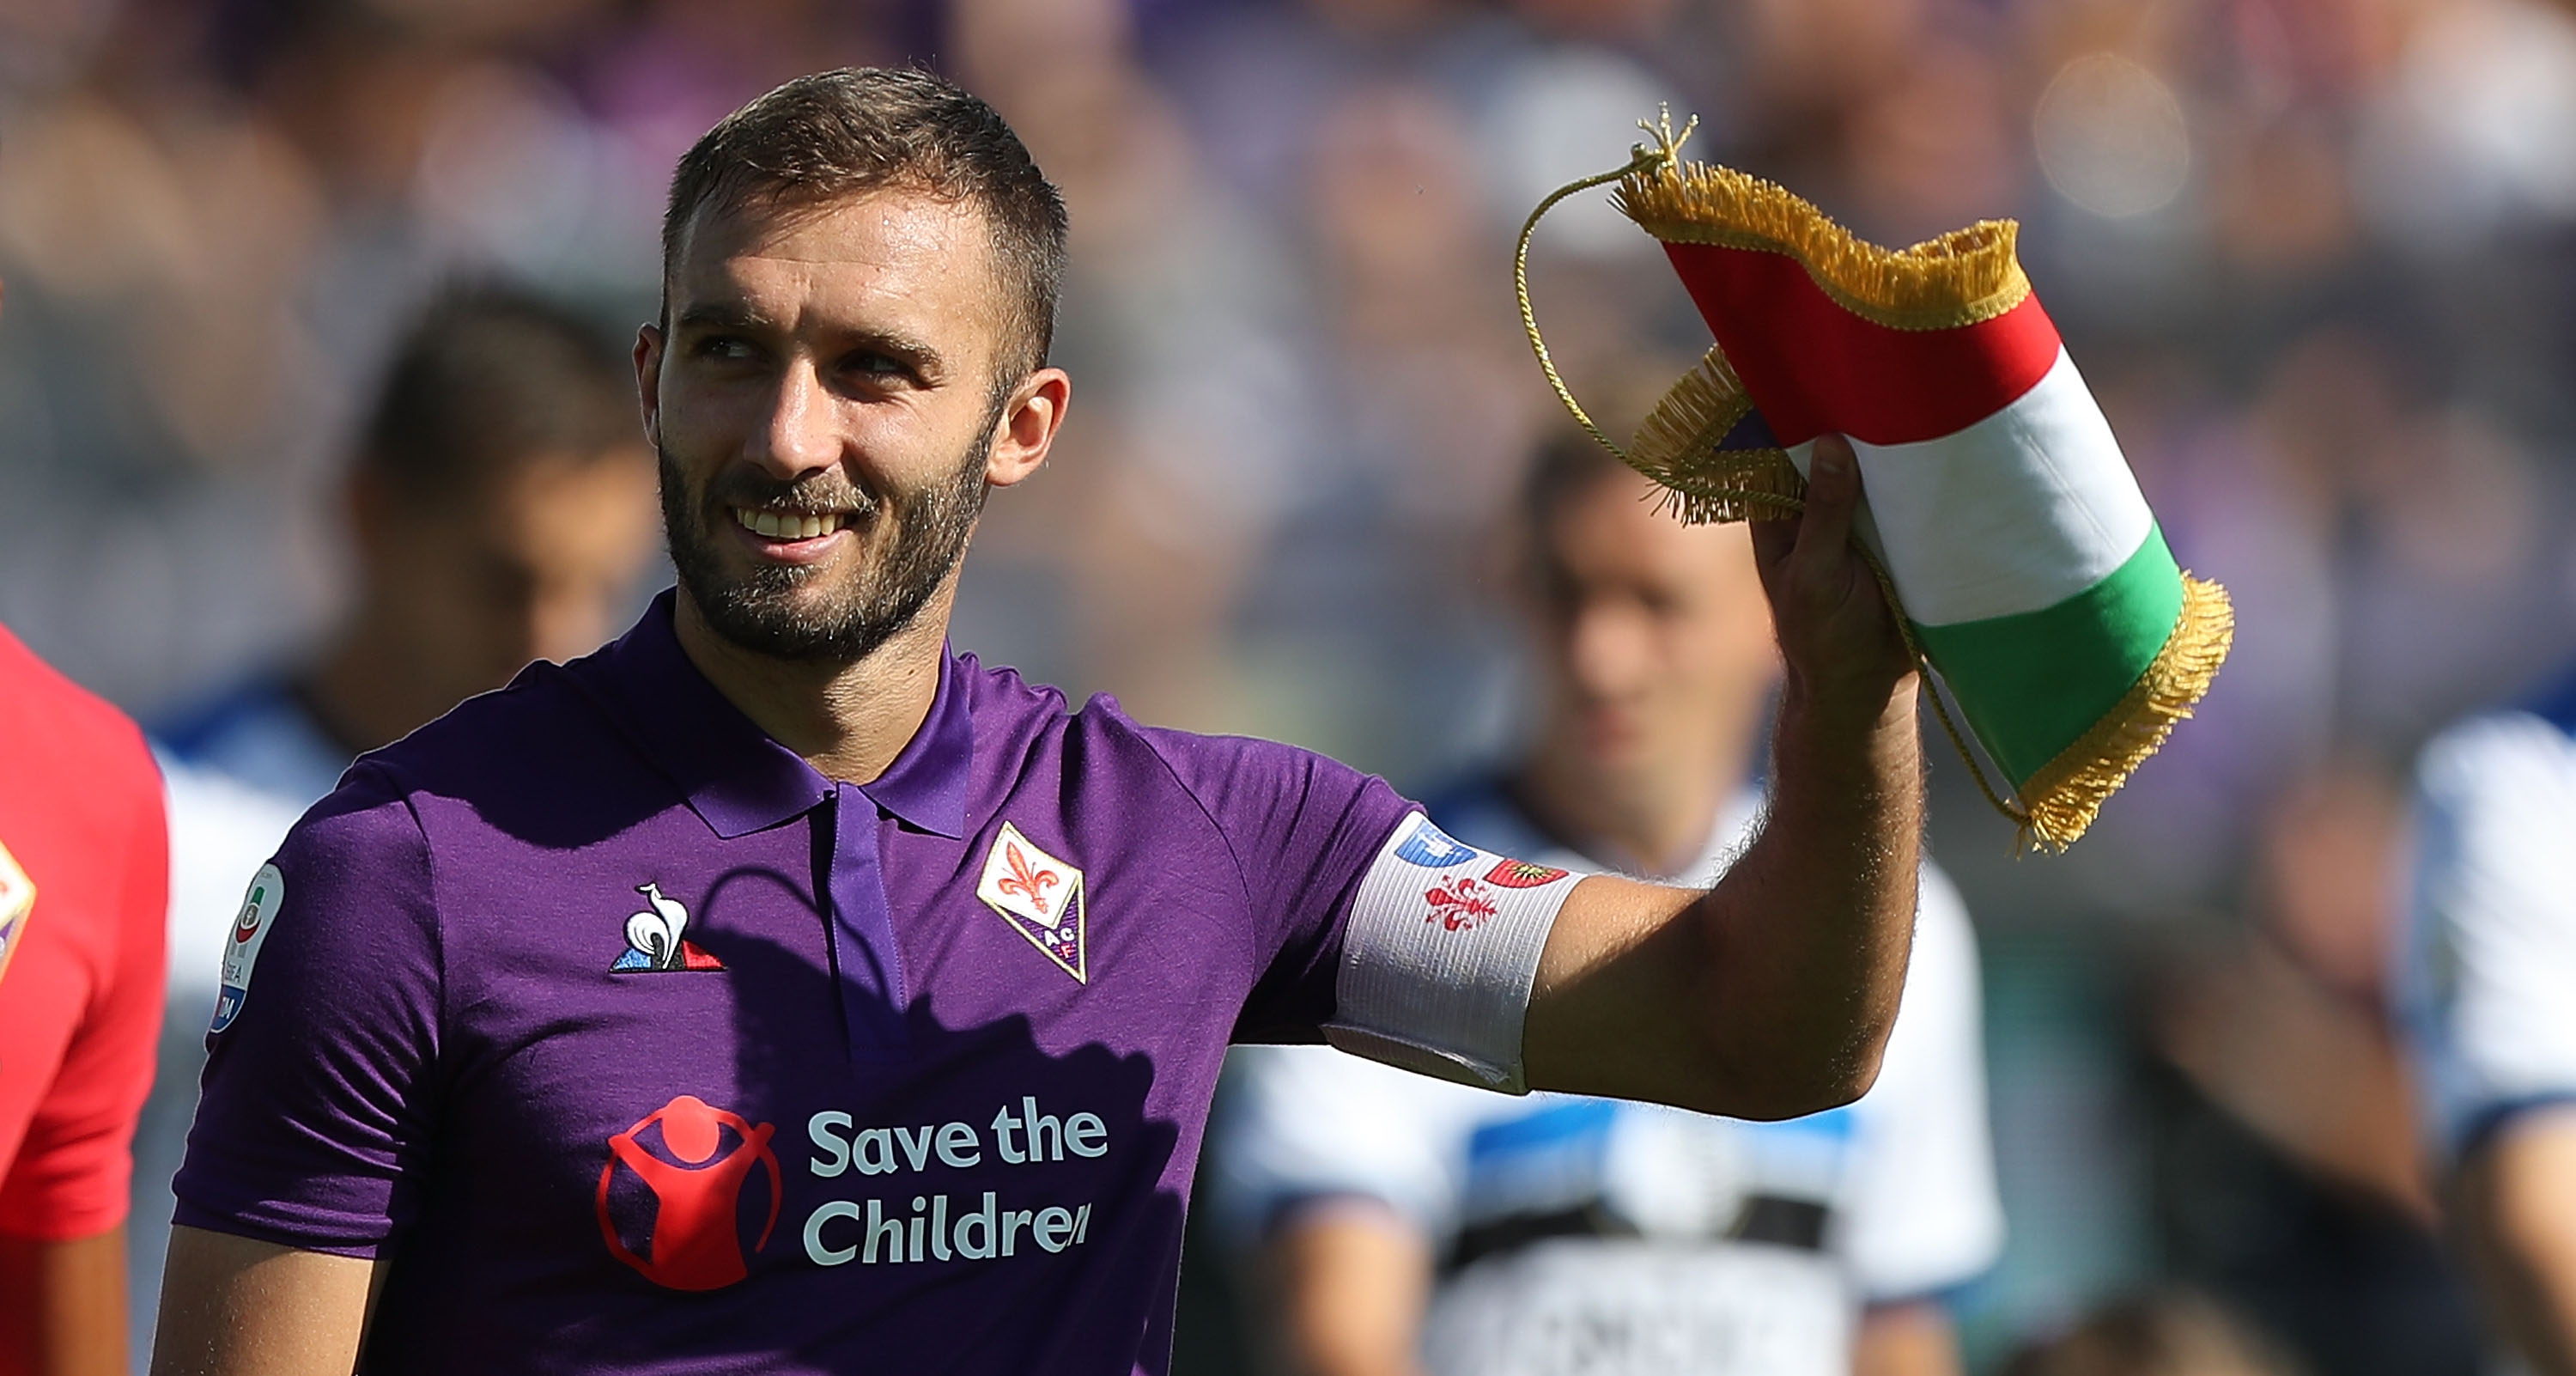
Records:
x=850, y=720
x=1653, y=820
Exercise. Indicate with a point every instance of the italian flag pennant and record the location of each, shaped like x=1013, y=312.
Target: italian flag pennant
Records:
x=2027, y=566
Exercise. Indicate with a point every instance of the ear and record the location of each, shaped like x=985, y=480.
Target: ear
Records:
x=1028, y=426
x=649, y=342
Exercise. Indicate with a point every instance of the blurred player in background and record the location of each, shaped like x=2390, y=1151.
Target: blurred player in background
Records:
x=1410, y=1226
x=500, y=505
x=501, y=509
x=2488, y=994
x=84, y=886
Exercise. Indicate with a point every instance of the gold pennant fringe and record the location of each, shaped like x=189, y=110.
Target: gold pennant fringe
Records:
x=2063, y=797
x=1960, y=278
x=1677, y=446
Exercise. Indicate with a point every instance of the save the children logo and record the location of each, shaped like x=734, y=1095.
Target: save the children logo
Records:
x=680, y=1172
x=1041, y=897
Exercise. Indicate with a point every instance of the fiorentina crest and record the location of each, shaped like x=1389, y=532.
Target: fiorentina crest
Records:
x=1040, y=896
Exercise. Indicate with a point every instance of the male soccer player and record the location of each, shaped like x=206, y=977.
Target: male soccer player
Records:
x=1409, y=1227
x=775, y=990
x=84, y=886
x=2487, y=994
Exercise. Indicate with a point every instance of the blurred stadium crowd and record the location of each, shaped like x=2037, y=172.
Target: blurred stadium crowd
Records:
x=2316, y=257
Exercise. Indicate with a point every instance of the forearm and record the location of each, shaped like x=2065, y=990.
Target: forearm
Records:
x=1771, y=995
x=1808, y=935
x=62, y=1306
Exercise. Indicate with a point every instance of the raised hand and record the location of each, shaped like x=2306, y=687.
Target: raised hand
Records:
x=1845, y=658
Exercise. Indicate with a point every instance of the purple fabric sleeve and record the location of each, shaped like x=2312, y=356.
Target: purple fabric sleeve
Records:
x=318, y=1097
x=1300, y=829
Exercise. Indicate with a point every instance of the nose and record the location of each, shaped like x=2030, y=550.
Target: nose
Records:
x=801, y=433
x=1605, y=647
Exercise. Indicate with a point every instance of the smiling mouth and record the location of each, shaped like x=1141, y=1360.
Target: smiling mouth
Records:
x=790, y=525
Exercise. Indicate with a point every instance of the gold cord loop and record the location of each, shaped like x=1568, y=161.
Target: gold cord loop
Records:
x=1641, y=158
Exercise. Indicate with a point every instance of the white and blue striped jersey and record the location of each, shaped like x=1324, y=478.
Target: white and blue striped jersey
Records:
x=2487, y=978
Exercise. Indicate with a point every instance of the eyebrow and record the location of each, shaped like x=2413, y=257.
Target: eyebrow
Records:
x=721, y=317
x=894, y=344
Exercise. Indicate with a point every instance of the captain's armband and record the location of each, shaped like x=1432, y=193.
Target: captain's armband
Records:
x=1439, y=956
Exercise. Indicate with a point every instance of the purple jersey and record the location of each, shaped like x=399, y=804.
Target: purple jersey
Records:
x=642, y=1046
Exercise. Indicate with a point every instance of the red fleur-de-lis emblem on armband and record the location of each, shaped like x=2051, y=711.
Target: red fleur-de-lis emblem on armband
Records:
x=1458, y=904
x=1027, y=881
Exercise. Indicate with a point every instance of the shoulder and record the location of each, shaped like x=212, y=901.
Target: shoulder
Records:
x=1015, y=719
x=59, y=738
x=358, y=826
x=1224, y=773
x=2506, y=757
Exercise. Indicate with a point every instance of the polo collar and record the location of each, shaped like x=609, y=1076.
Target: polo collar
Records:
x=739, y=780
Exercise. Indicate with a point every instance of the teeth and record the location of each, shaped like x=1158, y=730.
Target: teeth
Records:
x=785, y=526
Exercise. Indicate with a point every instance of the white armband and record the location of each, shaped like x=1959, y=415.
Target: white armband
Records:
x=1439, y=956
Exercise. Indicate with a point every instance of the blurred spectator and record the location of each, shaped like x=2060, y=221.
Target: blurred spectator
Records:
x=2174, y=1334
x=501, y=504
x=1579, y=1235
x=2295, y=1186
x=2490, y=957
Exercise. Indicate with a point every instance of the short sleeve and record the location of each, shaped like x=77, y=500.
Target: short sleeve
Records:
x=73, y=1170
x=2490, y=934
x=1300, y=829
x=1922, y=1214
x=319, y=1093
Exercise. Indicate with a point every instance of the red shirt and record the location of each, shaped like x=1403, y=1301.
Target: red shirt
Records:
x=80, y=997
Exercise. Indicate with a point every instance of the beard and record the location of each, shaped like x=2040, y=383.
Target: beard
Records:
x=913, y=541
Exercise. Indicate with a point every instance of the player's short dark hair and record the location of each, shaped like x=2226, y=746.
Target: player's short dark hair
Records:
x=857, y=129
x=489, y=377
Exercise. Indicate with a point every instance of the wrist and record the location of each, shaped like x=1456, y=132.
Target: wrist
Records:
x=1855, y=708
